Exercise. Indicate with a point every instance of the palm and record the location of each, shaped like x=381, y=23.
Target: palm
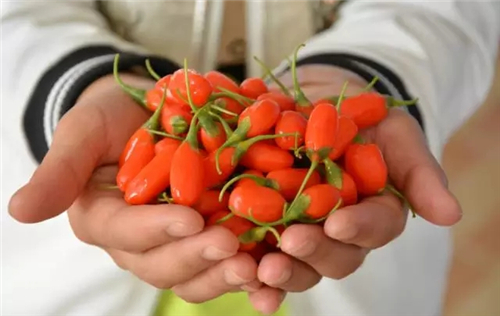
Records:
x=350, y=233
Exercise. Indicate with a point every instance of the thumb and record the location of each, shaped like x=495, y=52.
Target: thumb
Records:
x=92, y=133
x=78, y=143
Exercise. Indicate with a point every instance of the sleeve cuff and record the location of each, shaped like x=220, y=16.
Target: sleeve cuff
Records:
x=59, y=88
x=389, y=83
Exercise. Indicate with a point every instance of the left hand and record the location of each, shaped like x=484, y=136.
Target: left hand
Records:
x=310, y=252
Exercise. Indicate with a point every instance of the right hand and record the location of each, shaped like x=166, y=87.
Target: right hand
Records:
x=164, y=245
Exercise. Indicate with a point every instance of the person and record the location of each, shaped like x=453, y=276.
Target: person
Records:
x=56, y=71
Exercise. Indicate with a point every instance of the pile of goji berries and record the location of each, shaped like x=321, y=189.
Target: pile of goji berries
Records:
x=252, y=159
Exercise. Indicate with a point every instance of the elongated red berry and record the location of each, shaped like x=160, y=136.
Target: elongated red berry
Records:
x=366, y=165
x=200, y=88
x=290, y=122
x=253, y=87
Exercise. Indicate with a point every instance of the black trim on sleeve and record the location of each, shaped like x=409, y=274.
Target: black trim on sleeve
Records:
x=351, y=62
x=33, y=122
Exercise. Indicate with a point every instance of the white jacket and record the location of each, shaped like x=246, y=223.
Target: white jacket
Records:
x=441, y=51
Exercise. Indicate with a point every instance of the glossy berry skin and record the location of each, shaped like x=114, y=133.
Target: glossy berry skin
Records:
x=262, y=116
x=213, y=143
x=260, y=203
x=266, y=158
x=289, y=181
x=322, y=200
x=220, y=80
x=366, y=165
x=321, y=130
x=253, y=88
x=187, y=177
x=153, y=179
x=212, y=177
x=348, y=192
x=175, y=119
x=366, y=109
x=209, y=204
x=285, y=102
x=200, y=88
x=290, y=122
x=347, y=131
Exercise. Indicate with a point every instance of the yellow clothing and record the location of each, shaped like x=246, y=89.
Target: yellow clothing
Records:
x=232, y=304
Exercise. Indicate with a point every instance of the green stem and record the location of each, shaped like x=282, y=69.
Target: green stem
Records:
x=312, y=168
x=268, y=183
x=232, y=120
x=237, y=136
x=300, y=97
x=341, y=96
x=165, y=198
x=192, y=135
x=232, y=95
x=257, y=234
x=358, y=139
x=371, y=84
x=333, y=173
x=297, y=151
x=391, y=102
x=107, y=186
x=188, y=90
x=165, y=135
x=225, y=218
x=225, y=126
x=394, y=191
x=319, y=220
x=208, y=124
x=243, y=146
x=154, y=121
x=151, y=71
x=138, y=95
x=272, y=76
x=218, y=108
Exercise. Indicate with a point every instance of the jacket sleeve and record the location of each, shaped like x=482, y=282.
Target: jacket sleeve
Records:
x=53, y=51
x=442, y=52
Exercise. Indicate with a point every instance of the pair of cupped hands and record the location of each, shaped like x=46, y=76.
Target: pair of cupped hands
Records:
x=168, y=246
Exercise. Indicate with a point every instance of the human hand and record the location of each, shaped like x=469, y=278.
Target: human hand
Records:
x=310, y=252
x=164, y=245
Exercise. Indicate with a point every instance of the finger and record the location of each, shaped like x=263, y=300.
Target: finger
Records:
x=176, y=263
x=226, y=276
x=414, y=170
x=267, y=300
x=330, y=258
x=316, y=79
x=86, y=137
x=370, y=224
x=102, y=218
x=282, y=271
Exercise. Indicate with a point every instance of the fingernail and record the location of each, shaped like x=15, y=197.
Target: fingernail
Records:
x=232, y=278
x=213, y=253
x=302, y=250
x=179, y=230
